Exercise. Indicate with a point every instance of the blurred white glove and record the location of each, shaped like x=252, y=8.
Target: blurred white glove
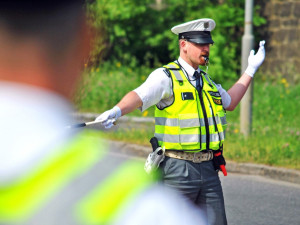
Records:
x=109, y=117
x=254, y=61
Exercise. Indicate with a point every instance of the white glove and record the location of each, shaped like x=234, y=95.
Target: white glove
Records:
x=109, y=117
x=254, y=61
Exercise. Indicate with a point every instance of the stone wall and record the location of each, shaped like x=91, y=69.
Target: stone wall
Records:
x=282, y=33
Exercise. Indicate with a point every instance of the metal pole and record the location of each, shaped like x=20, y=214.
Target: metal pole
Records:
x=247, y=46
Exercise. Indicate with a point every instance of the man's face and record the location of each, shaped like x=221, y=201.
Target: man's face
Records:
x=195, y=53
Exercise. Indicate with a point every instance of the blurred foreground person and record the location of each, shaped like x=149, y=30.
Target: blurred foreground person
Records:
x=50, y=174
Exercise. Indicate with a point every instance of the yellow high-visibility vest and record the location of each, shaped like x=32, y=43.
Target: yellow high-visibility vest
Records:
x=23, y=199
x=194, y=121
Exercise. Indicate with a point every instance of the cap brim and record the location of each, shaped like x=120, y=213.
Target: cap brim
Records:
x=201, y=40
x=198, y=37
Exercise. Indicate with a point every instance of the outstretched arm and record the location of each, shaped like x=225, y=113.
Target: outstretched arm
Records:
x=156, y=87
x=238, y=90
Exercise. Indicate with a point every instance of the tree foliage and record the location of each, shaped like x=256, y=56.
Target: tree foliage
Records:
x=135, y=32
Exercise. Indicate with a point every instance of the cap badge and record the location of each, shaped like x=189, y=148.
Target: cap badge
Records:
x=206, y=25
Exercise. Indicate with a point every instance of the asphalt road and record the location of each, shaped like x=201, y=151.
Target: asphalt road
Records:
x=257, y=200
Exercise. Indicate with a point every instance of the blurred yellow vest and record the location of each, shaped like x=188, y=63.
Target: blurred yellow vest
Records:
x=22, y=199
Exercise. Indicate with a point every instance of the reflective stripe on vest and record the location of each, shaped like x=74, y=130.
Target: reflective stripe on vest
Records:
x=28, y=201
x=20, y=200
x=174, y=122
x=183, y=125
x=110, y=198
x=188, y=138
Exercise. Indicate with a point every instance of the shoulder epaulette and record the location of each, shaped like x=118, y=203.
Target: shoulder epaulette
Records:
x=167, y=72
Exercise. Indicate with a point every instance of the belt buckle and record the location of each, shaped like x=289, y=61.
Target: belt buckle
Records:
x=199, y=160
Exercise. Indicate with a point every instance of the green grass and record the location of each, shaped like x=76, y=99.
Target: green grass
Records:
x=275, y=135
x=131, y=135
x=275, y=138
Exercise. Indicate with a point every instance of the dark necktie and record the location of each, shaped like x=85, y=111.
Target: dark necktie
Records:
x=197, y=76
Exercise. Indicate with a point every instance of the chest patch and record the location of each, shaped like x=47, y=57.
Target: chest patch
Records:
x=214, y=94
x=217, y=101
x=187, y=96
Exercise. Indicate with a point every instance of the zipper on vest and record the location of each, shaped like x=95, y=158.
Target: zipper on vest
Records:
x=205, y=116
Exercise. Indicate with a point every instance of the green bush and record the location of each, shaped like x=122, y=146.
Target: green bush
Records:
x=136, y=33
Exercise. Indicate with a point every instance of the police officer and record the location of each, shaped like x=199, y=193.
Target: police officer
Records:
x=50, y=174
x=190, y=116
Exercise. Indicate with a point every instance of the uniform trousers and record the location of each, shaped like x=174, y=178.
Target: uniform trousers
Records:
x=198, y=182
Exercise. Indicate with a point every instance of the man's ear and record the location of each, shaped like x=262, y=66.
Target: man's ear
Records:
x=183, y=43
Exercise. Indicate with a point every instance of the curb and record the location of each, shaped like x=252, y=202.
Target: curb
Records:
x=279, y=174
x=275, y=173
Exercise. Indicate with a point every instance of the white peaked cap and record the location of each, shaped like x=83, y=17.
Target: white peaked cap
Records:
x=205, y=24
x=197, y=31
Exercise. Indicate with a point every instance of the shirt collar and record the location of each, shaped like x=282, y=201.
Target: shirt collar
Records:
x=187, y=67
